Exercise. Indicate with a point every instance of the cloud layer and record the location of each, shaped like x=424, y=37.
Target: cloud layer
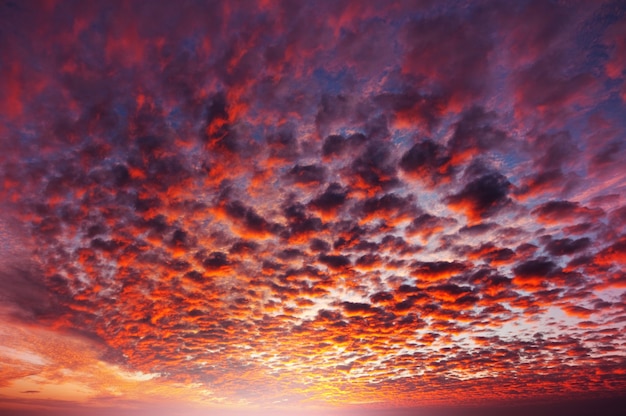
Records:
x=316, y=204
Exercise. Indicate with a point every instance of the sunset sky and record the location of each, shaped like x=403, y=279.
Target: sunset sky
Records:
x=311, y=207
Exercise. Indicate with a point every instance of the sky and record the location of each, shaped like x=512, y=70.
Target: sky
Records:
x=312, y=207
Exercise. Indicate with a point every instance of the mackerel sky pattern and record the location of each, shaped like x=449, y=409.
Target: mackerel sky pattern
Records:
x=324, y=206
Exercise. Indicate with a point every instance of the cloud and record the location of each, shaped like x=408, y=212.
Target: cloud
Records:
x=309, y=174
x=483, y=197
x=534, y=273
x=615, y=253
x=426, y=225
x=561, y=211
x=474, y=134
x=567, y=246
x=428, y=162
x=437, y=270
x=330, y=200
x=335, y=262
x=460, y=52
x=373, y=171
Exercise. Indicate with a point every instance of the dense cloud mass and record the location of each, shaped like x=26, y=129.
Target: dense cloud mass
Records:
x=311, y=204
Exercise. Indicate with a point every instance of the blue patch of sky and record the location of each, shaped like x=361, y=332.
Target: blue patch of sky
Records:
x=332, y=83
x=174, y=117
x=191, y=44
x=614, y=106
x=120, y=110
